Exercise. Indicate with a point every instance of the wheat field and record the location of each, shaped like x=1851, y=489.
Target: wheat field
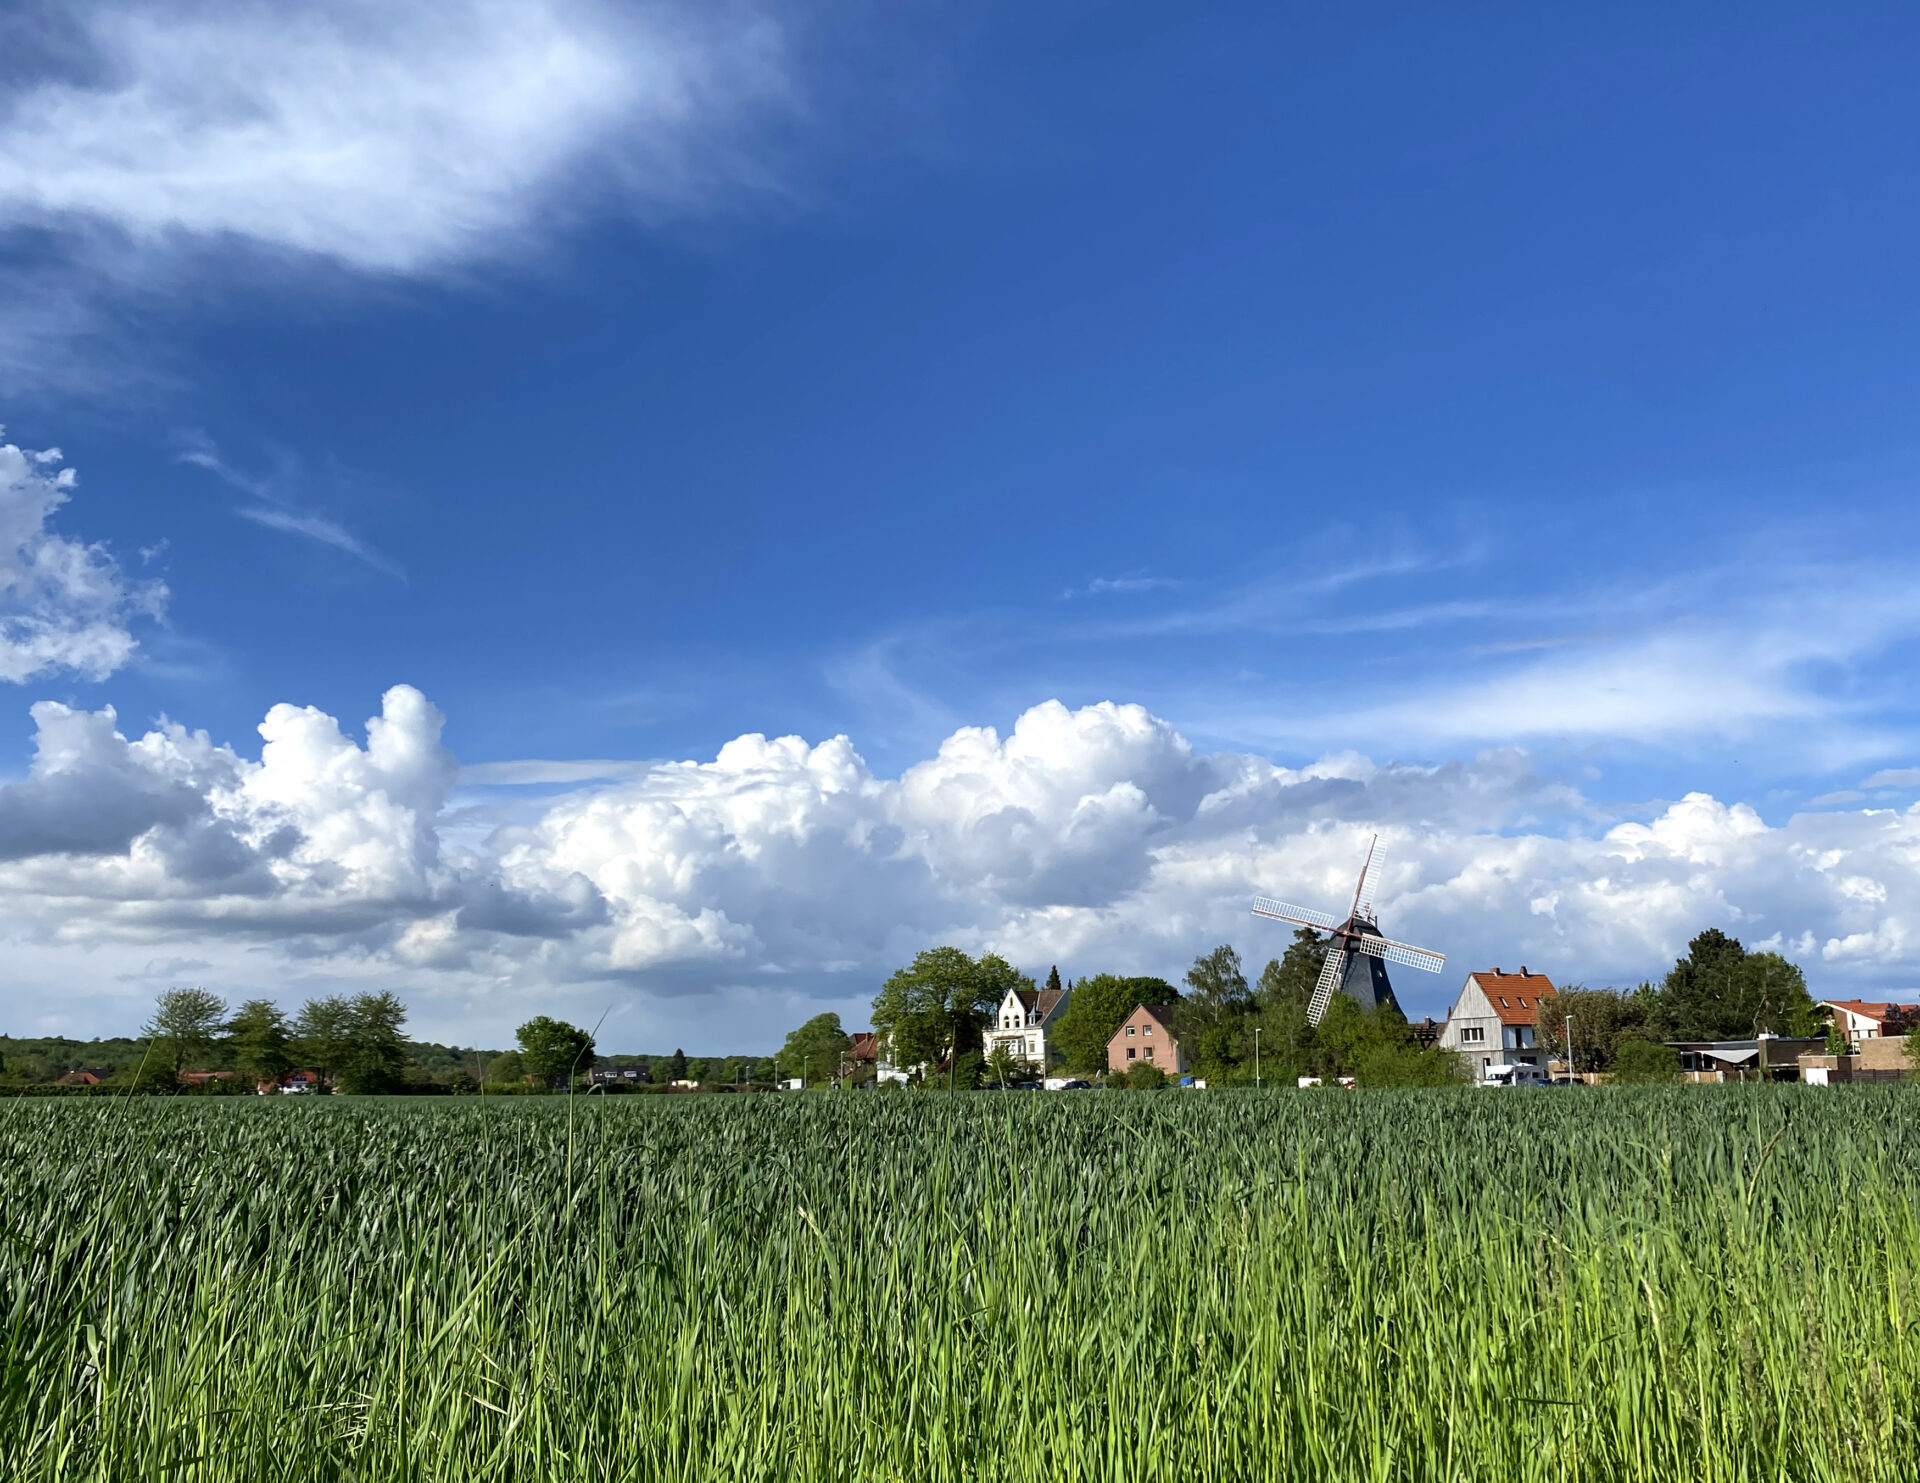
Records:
x=1695, y=1283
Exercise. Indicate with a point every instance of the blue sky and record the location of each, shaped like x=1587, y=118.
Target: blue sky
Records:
x=1417, y=384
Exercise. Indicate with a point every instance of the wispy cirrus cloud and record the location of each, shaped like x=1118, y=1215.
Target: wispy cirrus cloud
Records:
x=144, y=145
x=273, y=506
x=394, y=139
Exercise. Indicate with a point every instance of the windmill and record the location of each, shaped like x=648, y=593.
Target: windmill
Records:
x=1358, y=955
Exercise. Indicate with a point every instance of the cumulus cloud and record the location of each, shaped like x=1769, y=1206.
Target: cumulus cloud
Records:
x=64, y=604
x=783, y=869
x=390, y=138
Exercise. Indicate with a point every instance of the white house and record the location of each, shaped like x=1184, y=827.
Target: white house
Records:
x=1858, y=1020
x=1492, y=1022
x=1023, y=1021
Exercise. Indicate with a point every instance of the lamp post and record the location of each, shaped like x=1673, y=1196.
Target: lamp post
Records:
x=1256, y=1058
x=1568, y=1022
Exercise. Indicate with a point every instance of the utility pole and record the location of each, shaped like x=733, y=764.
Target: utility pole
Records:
x=1568, y=1022
x=1256, y=1058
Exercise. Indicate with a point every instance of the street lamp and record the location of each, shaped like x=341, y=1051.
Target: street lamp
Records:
x=1256, y=1058
x=1568, y=1023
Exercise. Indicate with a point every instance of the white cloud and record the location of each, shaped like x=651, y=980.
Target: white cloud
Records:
x=782, y=870
x=64, y=604
x=1894, y=777
x=390, y=138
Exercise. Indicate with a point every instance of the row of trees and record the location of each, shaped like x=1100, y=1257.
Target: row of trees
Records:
x=356, y=1041
x=1718, y=991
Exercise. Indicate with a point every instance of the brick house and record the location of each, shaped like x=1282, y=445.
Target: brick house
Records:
x=1859, y=1020
x=1146, y=1035
x=1492, y=1022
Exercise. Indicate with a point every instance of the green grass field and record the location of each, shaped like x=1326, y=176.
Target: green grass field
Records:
x=1712, y=1283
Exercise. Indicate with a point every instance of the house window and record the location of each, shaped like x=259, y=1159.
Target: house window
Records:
x=1129, y=1031
x=1033, y=1046
x=1472, y=1034
x=1149, y=1053
x=1146, y=1029
x=1131, y=1053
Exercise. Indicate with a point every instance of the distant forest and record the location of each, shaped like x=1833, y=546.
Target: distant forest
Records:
x=47, y=1058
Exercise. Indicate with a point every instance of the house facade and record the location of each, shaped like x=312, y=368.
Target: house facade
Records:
x=1023, y=1022
x=1859, y=1020
x=1146, y=1035
x=1492, y=1022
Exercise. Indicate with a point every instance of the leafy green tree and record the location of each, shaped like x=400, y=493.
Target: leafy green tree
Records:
x=552, y=1051
x=258, y=1037
x=1214, y=1019
x=1644, y=1061
x=1003, y=1066
x=373, y=1056
x=939, y=1005
x=1100, y=1005
x=185, y=1024
x=814, y=1051
x=1603, y=1020
x=1408, y=1065
x=1289, y=1045
x=320, y=1033
x=1720, y=991
x=506, y=1068
x=1053, y=979
x=676, y=1067
x=1144, y=1076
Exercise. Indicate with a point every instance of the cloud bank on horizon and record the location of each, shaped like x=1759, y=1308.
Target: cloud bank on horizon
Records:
x=779, y=871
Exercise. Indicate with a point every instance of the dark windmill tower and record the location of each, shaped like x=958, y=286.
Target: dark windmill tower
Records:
x=1358, y=955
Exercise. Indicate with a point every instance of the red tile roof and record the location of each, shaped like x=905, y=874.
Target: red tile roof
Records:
x=1160, y=1014
x=1515, y=997
x=1879, y=1013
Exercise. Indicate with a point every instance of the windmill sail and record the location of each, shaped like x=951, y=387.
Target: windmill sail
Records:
x=1331, y=972
x=1369, y=881
x=1399, y=952
x=1305, y=916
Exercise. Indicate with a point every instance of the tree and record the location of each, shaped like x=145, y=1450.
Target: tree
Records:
x=185, y=1024
x=939, y=1004
x=551, y=1050
x=1720, y=991
x=1053, y=979
x=376, y=1058
x=506, y=1068
x=320, y=1034
x=1100, y=1005
x=1213, y=1020
x=1003, y=1066
x=1603, y=1021
x=676, y=1069
x=1144, y=1076
x=257, y=1035
x=1289, y=1045
x=814, y=1051
x=1645, y=1061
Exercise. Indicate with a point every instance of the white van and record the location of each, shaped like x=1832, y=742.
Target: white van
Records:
x=1512, y=1074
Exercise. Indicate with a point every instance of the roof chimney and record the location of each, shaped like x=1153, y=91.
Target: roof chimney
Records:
x=1523, y=970
x=1496, y=970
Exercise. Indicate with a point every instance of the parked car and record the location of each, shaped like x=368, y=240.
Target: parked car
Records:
x=1075, y=1086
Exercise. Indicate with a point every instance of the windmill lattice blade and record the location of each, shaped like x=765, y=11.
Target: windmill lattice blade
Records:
x=1370, y=880
x=1306, y=916
x=1399, y=952
x=1336, y=965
